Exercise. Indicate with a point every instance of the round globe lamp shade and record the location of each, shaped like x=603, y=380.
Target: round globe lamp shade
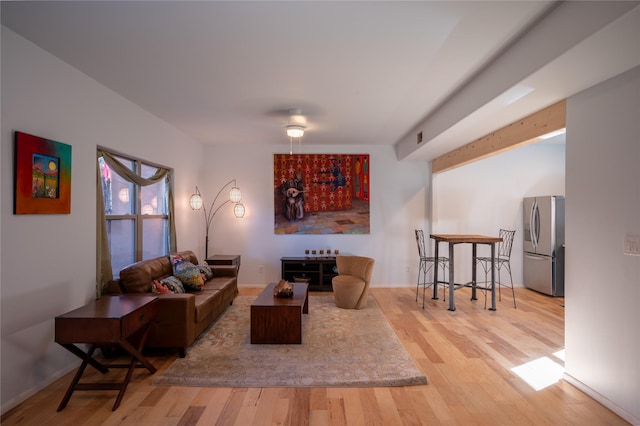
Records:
x=235, y=195
x=238, y=210
x=195, y=202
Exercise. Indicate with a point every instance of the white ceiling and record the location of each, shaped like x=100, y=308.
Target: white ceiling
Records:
x=362, y=72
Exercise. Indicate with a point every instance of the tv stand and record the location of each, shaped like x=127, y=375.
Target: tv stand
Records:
x=318, y=270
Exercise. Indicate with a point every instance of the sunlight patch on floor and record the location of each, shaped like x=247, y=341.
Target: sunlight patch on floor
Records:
x=541, y=372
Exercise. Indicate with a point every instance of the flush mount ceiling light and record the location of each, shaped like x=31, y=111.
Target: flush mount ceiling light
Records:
x=295, y=131
x=295, y=128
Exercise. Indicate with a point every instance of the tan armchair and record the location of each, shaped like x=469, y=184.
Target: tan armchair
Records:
x=351, y=285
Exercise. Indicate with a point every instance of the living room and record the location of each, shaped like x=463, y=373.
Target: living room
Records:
x=44, y=96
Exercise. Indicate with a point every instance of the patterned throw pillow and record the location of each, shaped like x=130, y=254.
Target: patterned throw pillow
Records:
x=188, y=273
x=167, y=285
x=206, y=271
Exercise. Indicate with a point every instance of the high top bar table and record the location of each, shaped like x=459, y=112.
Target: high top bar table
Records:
x=474, y=240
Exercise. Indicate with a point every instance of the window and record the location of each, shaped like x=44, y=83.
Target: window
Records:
x=136, y=200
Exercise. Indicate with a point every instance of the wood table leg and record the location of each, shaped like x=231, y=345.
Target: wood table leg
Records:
x=86, y=359
x=136, y=356
x=305, y=307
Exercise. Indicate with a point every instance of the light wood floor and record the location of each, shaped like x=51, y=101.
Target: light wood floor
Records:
x=467, y=356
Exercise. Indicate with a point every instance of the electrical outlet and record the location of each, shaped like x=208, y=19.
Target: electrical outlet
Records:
x=632, y=244
x=260, y=269
x=407, y=268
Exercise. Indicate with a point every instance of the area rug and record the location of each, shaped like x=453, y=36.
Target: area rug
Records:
x=340, y=348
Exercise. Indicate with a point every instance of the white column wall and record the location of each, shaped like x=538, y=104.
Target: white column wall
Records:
x=602, y=286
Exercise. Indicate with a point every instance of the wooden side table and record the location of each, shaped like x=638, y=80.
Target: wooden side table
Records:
x=108, y=321
x=224, y=259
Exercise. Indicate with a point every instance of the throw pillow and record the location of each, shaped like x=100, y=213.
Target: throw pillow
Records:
x=191, y=279
x=206, y=271
x=158, y=288
x=167, y=285
x=188, y=273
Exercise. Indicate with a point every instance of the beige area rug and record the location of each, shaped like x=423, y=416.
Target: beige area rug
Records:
x=340, y=348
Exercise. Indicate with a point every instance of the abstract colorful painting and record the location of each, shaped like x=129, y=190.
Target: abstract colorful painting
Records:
x=321, y=193
x=42, y=176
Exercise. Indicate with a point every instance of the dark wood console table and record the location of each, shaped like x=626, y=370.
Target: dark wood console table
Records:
x=319, y=270
x=108, y=321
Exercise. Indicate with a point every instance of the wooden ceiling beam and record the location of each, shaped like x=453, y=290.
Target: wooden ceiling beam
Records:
x=524, y=131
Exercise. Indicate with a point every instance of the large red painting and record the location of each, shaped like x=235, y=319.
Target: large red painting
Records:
x=321, y=193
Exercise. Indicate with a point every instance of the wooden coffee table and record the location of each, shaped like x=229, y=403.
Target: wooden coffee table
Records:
x=276, y=320
x=108, y=321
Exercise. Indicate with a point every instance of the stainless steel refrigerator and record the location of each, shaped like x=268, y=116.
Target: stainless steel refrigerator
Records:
x=543, y=264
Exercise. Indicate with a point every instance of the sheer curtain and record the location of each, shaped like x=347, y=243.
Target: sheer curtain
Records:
x=104, y=272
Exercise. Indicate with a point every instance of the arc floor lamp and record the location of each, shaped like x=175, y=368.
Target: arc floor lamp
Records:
x=196, y=202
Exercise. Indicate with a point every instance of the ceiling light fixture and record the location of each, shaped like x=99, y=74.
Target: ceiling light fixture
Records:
x=295, y=129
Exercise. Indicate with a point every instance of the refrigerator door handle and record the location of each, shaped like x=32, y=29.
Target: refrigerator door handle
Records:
x=534, y=219
x=537, y=224
x=536, y=256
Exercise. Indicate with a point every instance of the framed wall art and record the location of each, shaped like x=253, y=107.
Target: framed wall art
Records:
x=321, y=193
x=42, y=176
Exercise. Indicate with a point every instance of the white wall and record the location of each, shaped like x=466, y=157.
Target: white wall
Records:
x=602, y=288
x=397, y=206
x=484, y=196
x=48, y=261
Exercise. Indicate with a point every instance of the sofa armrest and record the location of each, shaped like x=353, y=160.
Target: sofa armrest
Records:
x=175, y=324
x=112, y=287
x=224, y=270
x=177, y=307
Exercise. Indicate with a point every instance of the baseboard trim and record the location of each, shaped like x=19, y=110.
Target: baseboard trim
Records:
x=602, y=400
x=22, y=397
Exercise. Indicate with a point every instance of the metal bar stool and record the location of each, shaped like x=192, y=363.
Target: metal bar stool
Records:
x=503, y=257
x=426, y=265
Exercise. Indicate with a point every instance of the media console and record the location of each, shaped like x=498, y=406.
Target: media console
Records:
x=318, y=270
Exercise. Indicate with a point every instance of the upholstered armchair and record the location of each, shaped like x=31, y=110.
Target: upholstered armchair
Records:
x=351, y=285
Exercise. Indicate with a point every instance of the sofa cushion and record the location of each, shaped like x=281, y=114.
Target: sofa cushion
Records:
x=217, y=283
x=188, y=273
x=137, y=278
x=205, y=304
x=167, y=285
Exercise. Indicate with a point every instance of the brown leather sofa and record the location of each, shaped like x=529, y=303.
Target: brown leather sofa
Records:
x=182, y=317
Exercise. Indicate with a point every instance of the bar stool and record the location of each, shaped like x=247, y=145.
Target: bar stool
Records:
x=426, y=265
x=502, y=260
